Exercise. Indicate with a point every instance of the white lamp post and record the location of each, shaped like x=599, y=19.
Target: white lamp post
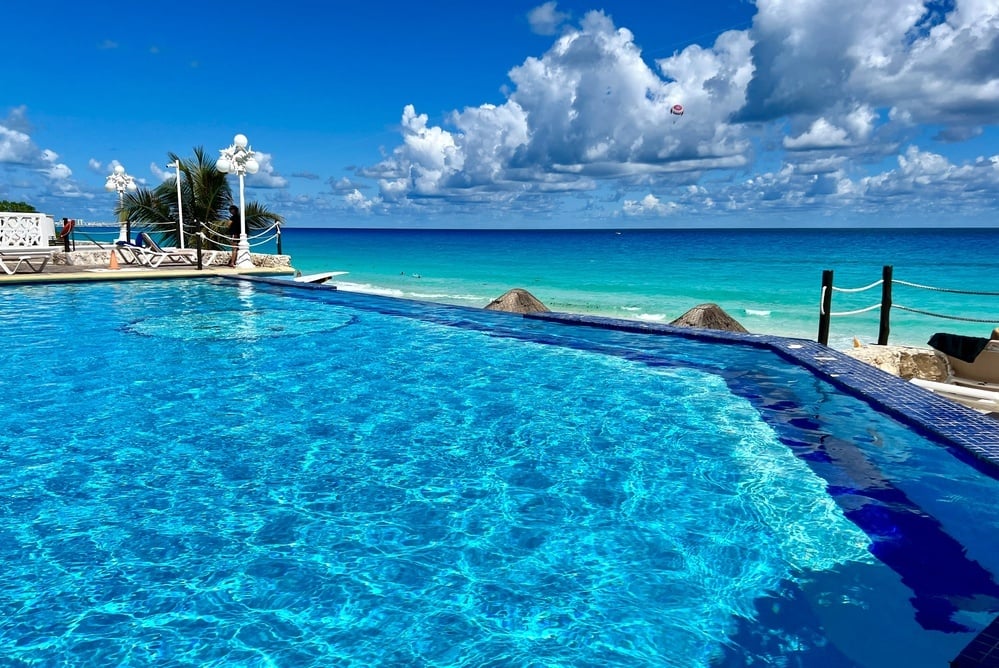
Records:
x=238, y=158
x=180, y=206
x=120, y=181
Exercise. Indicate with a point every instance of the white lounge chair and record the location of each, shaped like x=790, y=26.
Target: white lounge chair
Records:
x=982, y=400
x=973, y=360
x=33, y=257
x=152, y=255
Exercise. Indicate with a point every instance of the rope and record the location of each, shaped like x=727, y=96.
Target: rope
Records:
x=217, y=237
x=957, y=292
x=947, y=317
x=860, y=310
x=265, y=241
x=225, y=237
x=273, y=225
x=226, y=240
x=866, y=287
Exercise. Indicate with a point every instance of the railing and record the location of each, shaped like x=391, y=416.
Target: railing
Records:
x=263, y=237
x=886, y=305
x=89, y=237
x=25, y=229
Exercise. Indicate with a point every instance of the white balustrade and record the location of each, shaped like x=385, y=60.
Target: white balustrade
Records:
x=18, y=230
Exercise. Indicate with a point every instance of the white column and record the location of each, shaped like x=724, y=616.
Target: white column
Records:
x=180, y=206
x=243, y=258
x=122, y=225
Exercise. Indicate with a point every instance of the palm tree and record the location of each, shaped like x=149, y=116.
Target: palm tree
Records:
x=206, y=197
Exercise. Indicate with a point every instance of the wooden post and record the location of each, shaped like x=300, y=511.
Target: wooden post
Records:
x=279, y=240
x=884, y=327
x=825, y=306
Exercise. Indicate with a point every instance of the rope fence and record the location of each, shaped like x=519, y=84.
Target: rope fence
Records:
x=210, y=235
x=886, y=305
x=261, y=238
x=203, y=237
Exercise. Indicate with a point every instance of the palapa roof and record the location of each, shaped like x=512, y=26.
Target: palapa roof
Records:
x=517, y=300
x=709, y=316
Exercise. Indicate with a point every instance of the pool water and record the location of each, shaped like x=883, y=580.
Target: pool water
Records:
x=208, y=473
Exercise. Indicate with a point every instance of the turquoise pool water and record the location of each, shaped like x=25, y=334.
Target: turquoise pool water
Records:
x=224, y=473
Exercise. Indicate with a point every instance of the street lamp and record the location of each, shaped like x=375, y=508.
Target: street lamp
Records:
x=120, y=181
x=238, y=158
x=180, y=206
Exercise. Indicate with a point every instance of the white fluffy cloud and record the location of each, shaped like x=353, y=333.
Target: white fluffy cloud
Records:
x=814, y=57
x=546, y=19
x=590, y=108
x=650, y=205
x=358, y=202
x=15, y=146
x=832, y=86
x=15, y=141
x=835, y=105
x=265, y=177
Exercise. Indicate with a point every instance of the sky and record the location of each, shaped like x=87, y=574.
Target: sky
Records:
x=459, y=114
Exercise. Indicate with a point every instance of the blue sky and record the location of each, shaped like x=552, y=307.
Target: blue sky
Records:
x=797, y=113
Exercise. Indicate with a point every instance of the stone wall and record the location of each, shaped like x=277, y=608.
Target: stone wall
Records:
x=906, y=362
x=93, y=257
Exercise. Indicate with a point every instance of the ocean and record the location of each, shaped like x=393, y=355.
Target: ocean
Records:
x=768, y=280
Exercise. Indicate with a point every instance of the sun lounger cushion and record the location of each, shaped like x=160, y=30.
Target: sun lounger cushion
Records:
x=964, y=348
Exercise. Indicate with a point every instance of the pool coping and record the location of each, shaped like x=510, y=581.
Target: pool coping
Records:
x=88, y=274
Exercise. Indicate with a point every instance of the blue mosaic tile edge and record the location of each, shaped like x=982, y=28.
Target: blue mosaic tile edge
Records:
x=983, y=651
x=952, y=423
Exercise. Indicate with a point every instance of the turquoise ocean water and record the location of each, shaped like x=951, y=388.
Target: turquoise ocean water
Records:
x=768, y=280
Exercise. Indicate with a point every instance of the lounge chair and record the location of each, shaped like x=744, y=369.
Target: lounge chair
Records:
x=33, y=257
x=973, y=360
x=981, y=400
x=150, y=254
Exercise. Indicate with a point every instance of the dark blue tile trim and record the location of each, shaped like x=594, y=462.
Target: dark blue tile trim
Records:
x=983, y=651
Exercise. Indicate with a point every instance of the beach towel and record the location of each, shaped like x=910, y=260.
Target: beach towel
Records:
x=964, y=348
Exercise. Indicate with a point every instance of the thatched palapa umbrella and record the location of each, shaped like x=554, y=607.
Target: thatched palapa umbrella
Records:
x=517, y=300
x=709, y=316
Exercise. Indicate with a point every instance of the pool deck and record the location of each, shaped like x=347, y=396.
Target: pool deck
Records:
x=65, y=273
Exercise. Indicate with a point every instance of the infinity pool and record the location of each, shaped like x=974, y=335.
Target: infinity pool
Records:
x=209, y=473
